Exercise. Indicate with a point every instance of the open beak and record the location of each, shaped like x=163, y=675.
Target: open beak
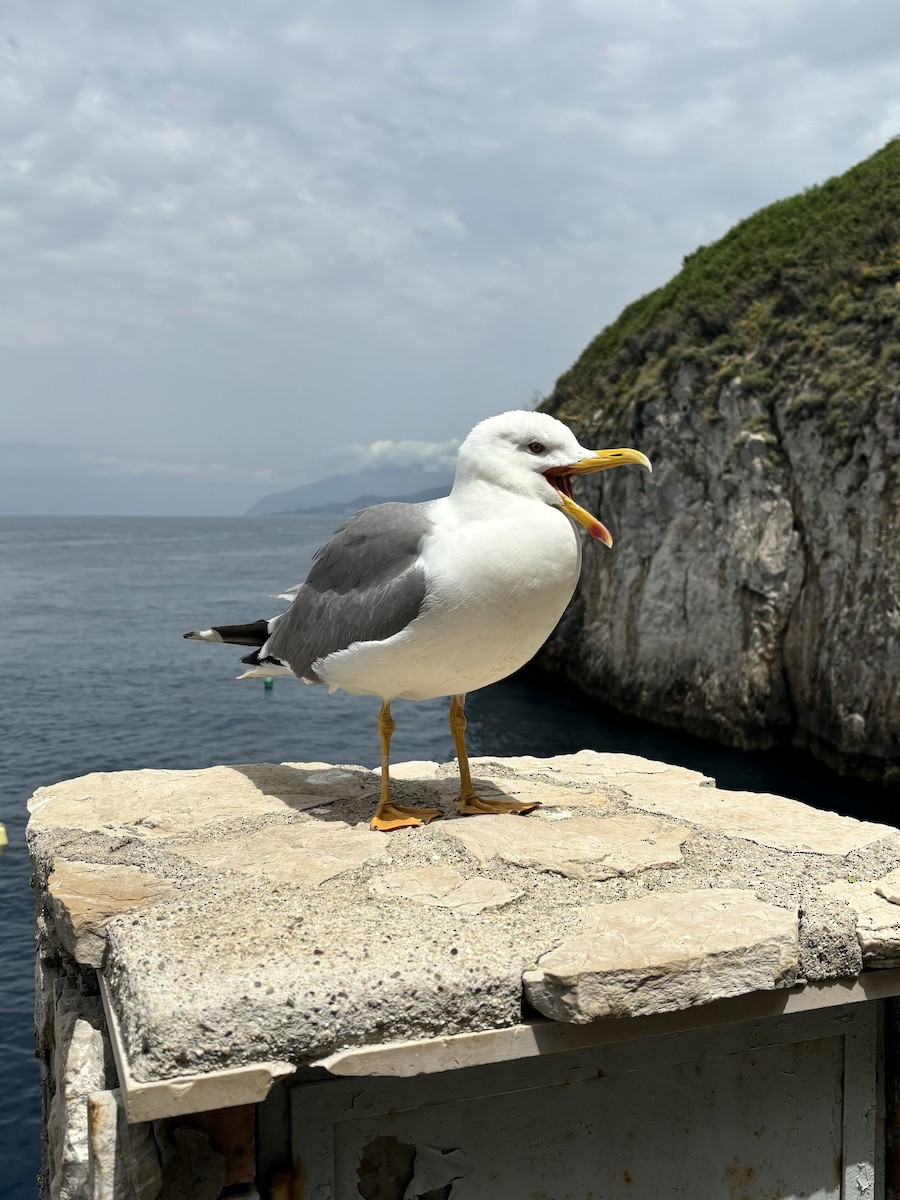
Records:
x=601, y=460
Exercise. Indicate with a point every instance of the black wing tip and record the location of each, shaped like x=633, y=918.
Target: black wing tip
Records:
x=253, y=660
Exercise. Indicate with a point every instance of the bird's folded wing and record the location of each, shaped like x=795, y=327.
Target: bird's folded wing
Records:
x=365, y=585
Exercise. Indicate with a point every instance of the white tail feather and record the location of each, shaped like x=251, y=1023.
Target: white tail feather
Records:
x=264, y=672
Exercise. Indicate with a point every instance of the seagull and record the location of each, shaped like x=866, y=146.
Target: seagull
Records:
x=416, y=601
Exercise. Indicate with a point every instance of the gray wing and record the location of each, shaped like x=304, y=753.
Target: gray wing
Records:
x=364, y=585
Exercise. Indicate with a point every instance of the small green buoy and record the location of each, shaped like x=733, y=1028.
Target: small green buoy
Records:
x=268, y=683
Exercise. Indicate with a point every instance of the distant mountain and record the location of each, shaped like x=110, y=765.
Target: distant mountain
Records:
x=347, y=493
x=340, y=507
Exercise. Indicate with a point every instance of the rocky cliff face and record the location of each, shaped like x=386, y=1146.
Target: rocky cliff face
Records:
x=753, y=593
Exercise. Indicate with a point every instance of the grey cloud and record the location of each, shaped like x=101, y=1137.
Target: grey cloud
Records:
x=249, y=229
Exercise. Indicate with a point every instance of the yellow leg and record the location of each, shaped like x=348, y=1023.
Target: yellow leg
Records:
x=389, y=815
x=470, y=803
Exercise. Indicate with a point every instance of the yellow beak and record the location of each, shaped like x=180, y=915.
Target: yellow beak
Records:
x=600, y=460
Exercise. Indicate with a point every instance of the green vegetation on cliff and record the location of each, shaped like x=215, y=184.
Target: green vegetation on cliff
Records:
x=801, y=301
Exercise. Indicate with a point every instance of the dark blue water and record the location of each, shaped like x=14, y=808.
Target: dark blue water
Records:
x=97, y=678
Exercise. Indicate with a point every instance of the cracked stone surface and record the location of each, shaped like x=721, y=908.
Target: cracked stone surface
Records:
x=247, y=914
x=662, y=953
x=439, y=887
x=581, y=848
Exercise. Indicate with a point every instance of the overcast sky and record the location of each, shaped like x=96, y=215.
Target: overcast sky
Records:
x=237, y=239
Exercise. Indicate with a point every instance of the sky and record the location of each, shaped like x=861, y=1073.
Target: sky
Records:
x=246, y=246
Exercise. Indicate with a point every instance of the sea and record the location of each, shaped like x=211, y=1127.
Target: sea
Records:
x=98, y=678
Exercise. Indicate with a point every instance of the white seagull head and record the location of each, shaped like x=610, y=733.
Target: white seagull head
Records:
x=535, y=456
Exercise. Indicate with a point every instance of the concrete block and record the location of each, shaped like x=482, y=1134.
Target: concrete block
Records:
x=664, y=953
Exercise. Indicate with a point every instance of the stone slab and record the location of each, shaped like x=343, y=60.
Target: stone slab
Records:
x=304, y=855
x=665, y=953
x=877, y=919
x=162, y=804
x=593, y=767
x=580, y=848
x=758, y=817
x=84, y=898
x=123, y=1159
x=889, y=887
x=78, y=1067
x=439, y=887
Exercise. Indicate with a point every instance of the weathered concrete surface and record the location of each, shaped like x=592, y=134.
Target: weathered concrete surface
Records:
x=664, y=953
x=289, y=930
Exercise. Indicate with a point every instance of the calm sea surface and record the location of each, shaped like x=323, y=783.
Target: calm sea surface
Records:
x=98, y=678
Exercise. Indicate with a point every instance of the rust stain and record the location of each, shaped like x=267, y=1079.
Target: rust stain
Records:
x=231, y=1131
x=298, y=1184
x=627, y=1178
x=737, y=1178
x=288, y=1185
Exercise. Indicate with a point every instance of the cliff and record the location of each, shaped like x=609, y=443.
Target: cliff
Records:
x=754, y=591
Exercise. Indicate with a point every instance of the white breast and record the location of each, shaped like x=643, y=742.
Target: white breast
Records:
x=499, y=576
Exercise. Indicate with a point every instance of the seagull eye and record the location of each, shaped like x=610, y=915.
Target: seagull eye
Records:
x=537, y=447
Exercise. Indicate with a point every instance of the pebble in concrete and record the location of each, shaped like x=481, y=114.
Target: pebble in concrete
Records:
x=580, y=848
x=440, y=887
x=666, y=952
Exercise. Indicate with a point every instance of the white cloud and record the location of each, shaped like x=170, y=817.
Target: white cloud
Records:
x=430, y=456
